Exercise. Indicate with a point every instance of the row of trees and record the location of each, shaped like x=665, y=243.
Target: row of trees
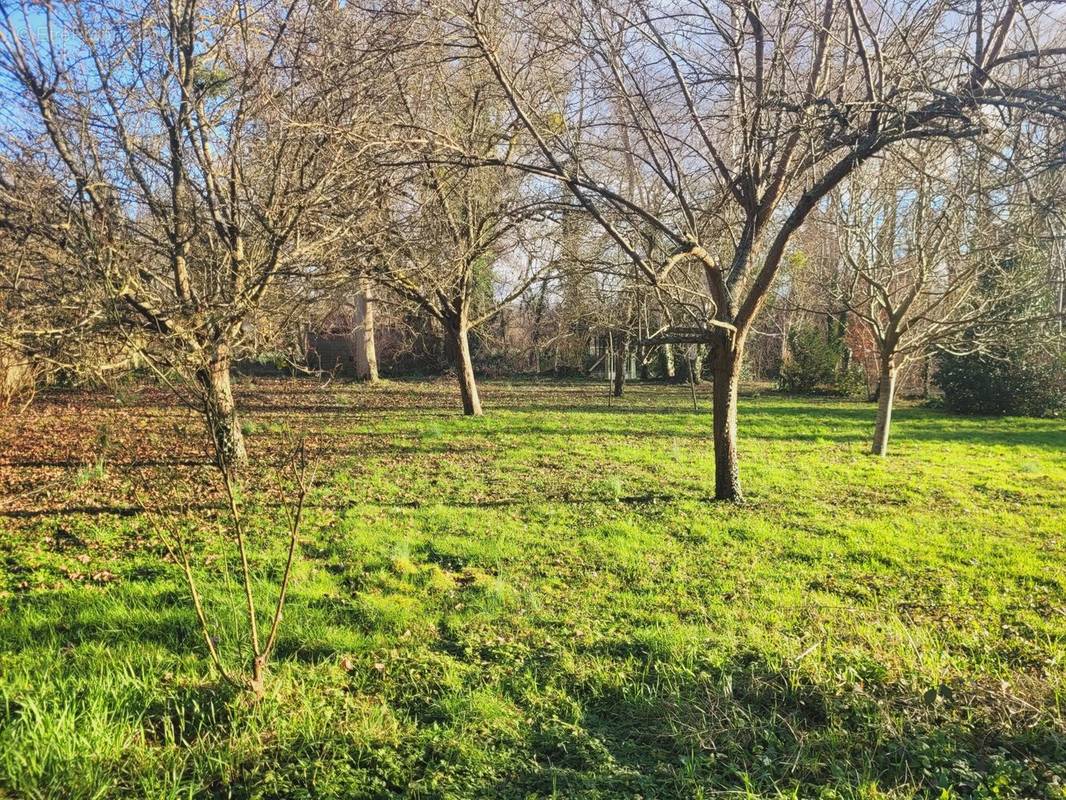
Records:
x=184, y=180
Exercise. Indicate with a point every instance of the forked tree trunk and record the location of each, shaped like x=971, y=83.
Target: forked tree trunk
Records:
x=726, y=358
x=464, y=368
x=221, y=412
x=886, y=394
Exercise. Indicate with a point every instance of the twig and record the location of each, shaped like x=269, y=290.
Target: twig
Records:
x=182, y=557
x=303, y=483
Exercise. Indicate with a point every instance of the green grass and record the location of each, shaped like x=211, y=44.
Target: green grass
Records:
x=544, y=603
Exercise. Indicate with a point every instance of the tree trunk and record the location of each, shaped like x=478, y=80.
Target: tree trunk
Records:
x=696, y=365
x=367, y=365
x=886, y=393
x=620, y=366
x=668, y=362
x=220, y=412
x=464, y=368
x=783, y=353
x=838, y=332
x=726, y=358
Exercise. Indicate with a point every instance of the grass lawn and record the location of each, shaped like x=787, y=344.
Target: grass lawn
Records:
x=540, y=603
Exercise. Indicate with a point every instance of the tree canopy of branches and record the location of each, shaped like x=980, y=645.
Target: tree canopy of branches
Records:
x=198, y=146
x=212, y=170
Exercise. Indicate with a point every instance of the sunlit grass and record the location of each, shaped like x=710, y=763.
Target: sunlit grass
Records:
x=543, y=602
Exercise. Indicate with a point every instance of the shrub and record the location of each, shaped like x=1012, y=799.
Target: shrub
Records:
x=813, y=363
x=1011, y=381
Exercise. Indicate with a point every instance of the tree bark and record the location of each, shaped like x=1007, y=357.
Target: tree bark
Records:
x=464, y=368
x=220, y=412
x=367, y=368
x=726, y=358
x=886, y=394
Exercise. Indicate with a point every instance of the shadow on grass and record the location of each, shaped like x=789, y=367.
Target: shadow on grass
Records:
x=71, y=618
x=641, y=724
x=749, y=727
x=189, y=711
x=141, y=463
x=909, y=424
x=649, y=498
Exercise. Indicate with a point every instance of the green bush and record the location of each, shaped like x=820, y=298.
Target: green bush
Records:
x=814, y=363
x=1013, y=382
x=852, y=382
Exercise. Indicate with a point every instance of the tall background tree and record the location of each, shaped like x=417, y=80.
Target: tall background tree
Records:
x=458, y=243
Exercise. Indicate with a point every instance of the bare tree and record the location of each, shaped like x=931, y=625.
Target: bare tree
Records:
x=459, y=243
x=196, y=154
x=748, y=115
x=42, y=327
x=932, y=241
x=258, y=650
